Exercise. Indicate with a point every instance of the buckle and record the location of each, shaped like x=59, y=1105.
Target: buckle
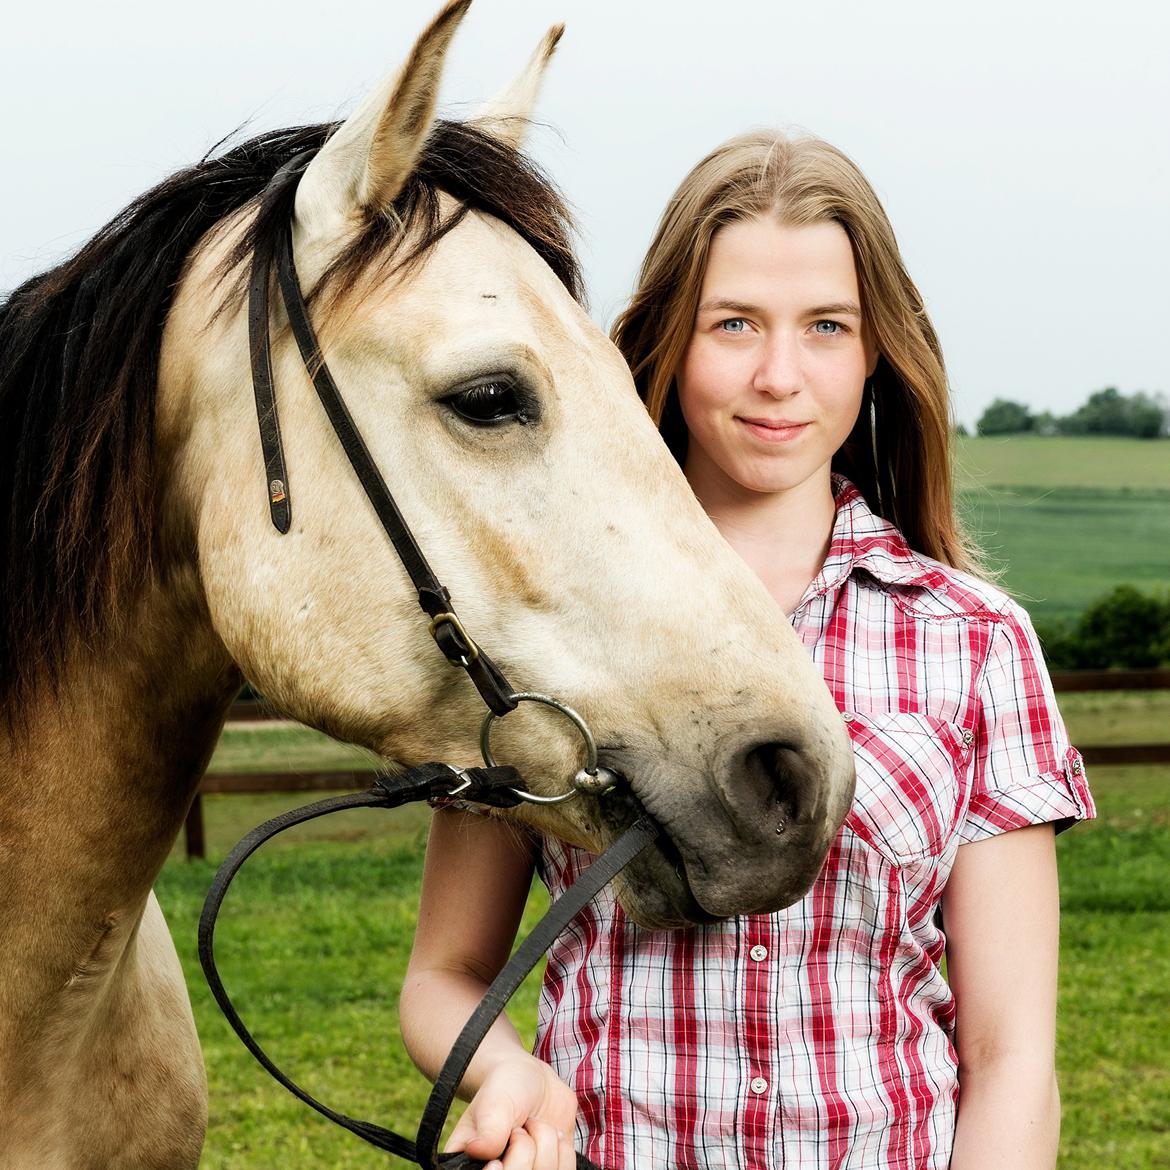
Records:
x=468, y=651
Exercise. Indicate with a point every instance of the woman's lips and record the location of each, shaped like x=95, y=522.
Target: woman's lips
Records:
x=778, y=431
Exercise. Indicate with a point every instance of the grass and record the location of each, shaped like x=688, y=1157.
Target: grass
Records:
x=1114, y=1016
x=1122, y=465
x=312, y=947
x=1117, y=716
x=1067, y=519
x=314, y=942
x=283, y=747
x=1060, y=550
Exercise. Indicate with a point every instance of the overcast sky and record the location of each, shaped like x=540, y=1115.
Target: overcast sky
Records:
x=1022, y=149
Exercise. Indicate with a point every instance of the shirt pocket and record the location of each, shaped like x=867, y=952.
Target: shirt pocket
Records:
x=910, y=771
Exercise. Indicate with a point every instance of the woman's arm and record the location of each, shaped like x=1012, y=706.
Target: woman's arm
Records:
x=1001, y=915
x=475, y=885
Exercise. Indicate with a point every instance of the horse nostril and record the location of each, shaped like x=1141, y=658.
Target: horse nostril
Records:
x=776, y=774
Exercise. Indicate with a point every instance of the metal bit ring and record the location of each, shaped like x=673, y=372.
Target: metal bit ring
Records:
x=586, y=777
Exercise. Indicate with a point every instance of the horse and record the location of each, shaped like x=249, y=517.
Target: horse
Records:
x=143, y=578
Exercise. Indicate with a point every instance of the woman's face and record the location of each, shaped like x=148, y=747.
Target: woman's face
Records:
x=771, y=382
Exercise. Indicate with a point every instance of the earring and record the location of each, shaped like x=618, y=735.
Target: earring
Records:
x=871, y=399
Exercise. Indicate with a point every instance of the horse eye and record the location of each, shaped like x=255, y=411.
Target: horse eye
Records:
x=487, y=403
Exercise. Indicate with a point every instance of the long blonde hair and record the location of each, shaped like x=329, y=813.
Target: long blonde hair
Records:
x=899, y=452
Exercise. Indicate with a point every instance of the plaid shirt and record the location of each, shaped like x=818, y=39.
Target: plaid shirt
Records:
x=823, y=1035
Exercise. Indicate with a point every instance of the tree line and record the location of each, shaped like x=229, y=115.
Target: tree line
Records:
x=1125, y=627
x=1107, y=412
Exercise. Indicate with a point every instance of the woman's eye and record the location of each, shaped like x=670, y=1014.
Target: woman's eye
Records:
x=487, y=403
x=733, y=325
x=827, y=328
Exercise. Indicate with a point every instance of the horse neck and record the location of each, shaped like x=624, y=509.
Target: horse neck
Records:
x=97, y=779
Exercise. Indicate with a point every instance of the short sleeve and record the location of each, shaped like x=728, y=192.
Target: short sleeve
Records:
x=1024, y=770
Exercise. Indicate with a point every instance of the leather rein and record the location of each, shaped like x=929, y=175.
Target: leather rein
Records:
x=493, y=785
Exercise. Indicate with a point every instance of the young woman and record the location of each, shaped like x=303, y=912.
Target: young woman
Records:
x=778, y=341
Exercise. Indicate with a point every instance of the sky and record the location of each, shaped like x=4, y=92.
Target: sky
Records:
x=1021, y=149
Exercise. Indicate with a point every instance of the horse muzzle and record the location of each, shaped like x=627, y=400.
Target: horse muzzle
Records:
x=746, y=835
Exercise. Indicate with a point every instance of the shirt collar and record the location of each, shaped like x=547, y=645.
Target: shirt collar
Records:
x=862, y=539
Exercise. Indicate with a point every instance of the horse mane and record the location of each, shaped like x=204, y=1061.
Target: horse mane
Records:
x=79, y=362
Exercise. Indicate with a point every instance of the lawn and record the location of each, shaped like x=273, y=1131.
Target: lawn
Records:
x=1063, y=462
x=315, y=940
x=1114, y=1018
x=1061, y=549
x=1066, y=519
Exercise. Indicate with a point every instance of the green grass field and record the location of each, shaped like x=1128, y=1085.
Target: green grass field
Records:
x=1066, y=519
x=1064, y=462
x=315, y=939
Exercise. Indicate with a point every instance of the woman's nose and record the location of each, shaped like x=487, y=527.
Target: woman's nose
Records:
x=778, y=372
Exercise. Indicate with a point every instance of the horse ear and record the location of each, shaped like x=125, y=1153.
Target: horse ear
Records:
x=507, y=115
x=368, y=160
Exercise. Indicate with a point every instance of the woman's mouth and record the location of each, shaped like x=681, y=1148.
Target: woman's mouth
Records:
x=780, y=430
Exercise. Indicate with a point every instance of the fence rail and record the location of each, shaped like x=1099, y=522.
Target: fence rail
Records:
x=346, y=780
x=1111, y=680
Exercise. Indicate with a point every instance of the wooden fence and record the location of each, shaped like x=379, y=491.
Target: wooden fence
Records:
x=250, y=711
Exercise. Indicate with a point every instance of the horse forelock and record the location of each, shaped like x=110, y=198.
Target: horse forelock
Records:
x=477, y=171
x=79, y=365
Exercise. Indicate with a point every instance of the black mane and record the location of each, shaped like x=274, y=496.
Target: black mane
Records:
x=79, y=357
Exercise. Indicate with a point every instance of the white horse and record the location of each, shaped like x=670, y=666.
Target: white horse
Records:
x=141, y=576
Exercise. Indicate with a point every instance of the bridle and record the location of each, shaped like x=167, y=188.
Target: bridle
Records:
x=493, y=785
x=434, y=598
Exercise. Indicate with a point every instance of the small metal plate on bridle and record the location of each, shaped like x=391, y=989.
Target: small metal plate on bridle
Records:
x=590, y=780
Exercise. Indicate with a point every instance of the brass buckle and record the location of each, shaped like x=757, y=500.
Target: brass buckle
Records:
x=452, y=619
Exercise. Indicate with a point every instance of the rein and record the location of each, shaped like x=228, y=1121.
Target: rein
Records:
x=490, y=786
x=493, y=785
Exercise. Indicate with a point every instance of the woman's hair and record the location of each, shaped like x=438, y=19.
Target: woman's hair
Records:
x=898, y=454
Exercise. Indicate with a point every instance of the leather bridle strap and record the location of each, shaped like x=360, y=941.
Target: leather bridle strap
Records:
x=491, y=786
x=433, y=597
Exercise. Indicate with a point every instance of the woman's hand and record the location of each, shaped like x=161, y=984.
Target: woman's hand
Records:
x=520, y=1119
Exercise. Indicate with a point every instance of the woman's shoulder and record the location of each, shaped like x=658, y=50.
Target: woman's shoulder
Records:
x=867, y=542
x=942, y=590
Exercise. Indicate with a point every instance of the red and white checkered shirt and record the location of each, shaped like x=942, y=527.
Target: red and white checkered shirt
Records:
x=822, y=1036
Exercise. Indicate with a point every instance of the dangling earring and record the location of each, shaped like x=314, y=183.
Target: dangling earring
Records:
x=871, y=398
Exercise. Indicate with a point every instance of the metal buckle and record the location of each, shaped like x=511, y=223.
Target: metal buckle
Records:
x=452, y=619
x=464, y=781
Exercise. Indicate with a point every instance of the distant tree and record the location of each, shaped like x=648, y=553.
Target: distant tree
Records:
x=1004, y=417
x=1147, y=416
x=1125, y=627
x=1109, y=412
x=1045, y=423
x=961, y=430
x=1103, y=414
x=1059, y=644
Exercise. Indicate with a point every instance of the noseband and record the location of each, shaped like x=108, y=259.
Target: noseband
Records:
x=493, y=785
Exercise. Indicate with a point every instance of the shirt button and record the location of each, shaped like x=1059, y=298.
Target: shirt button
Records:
x=759, y=1085
x=758, y=952
x=968, y=736
x=848, y=716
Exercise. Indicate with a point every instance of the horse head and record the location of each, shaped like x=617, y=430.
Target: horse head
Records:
x=441, y=282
